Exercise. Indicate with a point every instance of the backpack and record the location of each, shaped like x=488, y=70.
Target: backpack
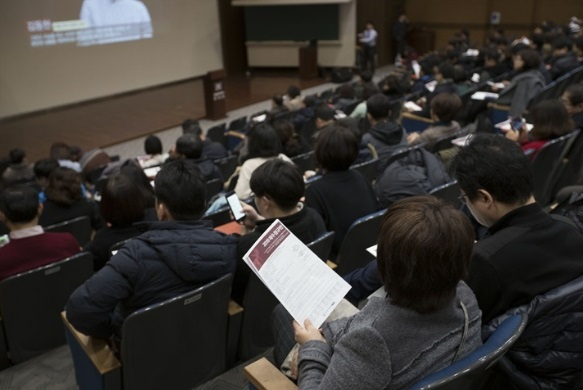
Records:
x=416, y=174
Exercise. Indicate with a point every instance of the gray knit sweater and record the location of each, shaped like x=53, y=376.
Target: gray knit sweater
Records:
x=388, y=347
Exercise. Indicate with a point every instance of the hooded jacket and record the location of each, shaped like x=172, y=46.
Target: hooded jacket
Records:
x=387, y=137
x=523, y=87
x=169, y=259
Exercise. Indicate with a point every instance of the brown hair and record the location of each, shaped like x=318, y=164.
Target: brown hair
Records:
x=424, y=247
x=122, y=201
x=64, y=186
x=445, y=106
x=336, y=148
x=551, y=120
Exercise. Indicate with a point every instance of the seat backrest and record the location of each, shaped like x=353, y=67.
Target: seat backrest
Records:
x=79, y=227
x=449, y=192
x=178, y=343
x=219, y=217
x=213, y=187
x=258, y=303
x=31, y=303
x=572, y=169
x=217, y=134
x=547, y=167
x=444, y=142
x=384, y=162
x=470, y=371
x=361, y=235
x=368, y=169
x=322, y=245
x=227, y=165
x=305, y=161
x=238, y=124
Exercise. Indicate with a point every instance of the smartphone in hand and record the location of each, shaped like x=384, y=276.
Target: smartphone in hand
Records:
x=235, y=206
x=516, y=123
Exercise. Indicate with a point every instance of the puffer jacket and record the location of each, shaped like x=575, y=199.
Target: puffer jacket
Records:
x=523, y=87
x=549, y=354
x=169, y=259
x=387, y=137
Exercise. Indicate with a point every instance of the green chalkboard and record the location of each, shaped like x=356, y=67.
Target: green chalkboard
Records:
x=291, y=22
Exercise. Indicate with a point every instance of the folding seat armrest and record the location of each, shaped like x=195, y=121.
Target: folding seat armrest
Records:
x=412, y=116
x=500, y=107
x=233, y=331
x=331, y=264
x=263, y=375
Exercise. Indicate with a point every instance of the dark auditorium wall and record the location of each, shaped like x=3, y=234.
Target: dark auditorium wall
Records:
x=232, y=21
x=518, y=17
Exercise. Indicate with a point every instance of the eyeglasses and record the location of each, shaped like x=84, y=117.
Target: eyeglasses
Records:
x=462, y=198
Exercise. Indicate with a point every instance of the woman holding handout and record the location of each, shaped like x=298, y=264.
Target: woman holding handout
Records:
x=428, y=319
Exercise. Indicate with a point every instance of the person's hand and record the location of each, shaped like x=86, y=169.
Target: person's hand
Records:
x=308, y=333
x=520, y=136
x=512, y=135
x=421, y=101
x=294, y=364
x=413, y=137
x=251, y=217
x=506, y=82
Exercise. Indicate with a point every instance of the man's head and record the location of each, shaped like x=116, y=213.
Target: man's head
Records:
x=445, y=106
x=180, y=191
x=491, y=57
x=494, y=175
x=60, y=151
x=16, y=156
x=324, y=116
x=293, y=91
x=561, y=46
x=278, y=187
x=378, y=107
x=572, y=99
x=445, y=71
x=277, y=101
x=42, y=170
x=336, y=148
x=153, y=145
x=369, y=25
x=191, y=126
x=189, y=146
x=19, y=205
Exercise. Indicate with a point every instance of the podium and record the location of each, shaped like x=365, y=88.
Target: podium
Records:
x=214, y=94
x=308, y=62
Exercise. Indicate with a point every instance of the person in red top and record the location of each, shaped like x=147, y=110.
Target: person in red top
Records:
x=550, y=120
x=29, y=247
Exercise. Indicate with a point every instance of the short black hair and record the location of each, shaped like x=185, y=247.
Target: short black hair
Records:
x=366, y=75
x=263, y=141
x=181, y=188
x=495, y=164
x=446, y=106
x=447, y=70
x=575, y=93
x=562, y=42
x=16, y=156
x=44, y=167
x=336, y=148
x=491, y=54
x=60, y=151
x=281, y=181
x=19, y=203
x=189, y=145
x=531, y=59
x=293, y=91
x=378, y=106
x=424, y=247
x=122, y=201
x=191, y=126
x=324, y=112
x=278, y=100
x=153, y=145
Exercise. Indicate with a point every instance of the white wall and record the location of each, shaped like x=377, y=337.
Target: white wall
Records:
x=186, y=44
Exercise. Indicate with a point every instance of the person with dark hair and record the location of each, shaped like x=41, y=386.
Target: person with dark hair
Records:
x=190, y=147
x=19, y=171
x=29, y=247
x=154, y=152
x=400, y=35
x=364, y=82
x=344, y=97
x=550, y=120
x=211, y=150
x=563, y=59
x=359, y=111
x=264, y=145
x=175, y=255
x=511, y=265
x=42, y=170
x=428, y=319
x=493, y=67
x=122, y=204
x=525, y=85
x=278, y=187
x=386, y=136
x=65, y=199
x=293, y=100
x=342, y=195
x=444, y=108
x=292, y=143
x=364, y=152
x=444, y=78
x=572, y=98
x=324, y=118
x=61, y=152
x=277, y=105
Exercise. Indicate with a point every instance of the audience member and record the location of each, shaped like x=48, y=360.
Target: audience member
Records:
x=278, y=187
x=277, y=106
x=19, y=171
x=492, y=65
x=572, y=98
x=293, y=100
x=527, y=83
x=211, y=150
x=444, y=108
x=292, y=143
x=564, y=59
x=342, y=195
x=154, y=153
x=324, y=119
x=29, y=247
x=65, y=199
x=344, y=97
x=550, y=120
x=428, y=319
x=190, y=146
x=306, y=114
x=387, y=137
x=61, y=152
x=122, y=204
x=365, y=80
x=264, y=145
x=42, y=170
x=364, y=151
x=174, y=256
